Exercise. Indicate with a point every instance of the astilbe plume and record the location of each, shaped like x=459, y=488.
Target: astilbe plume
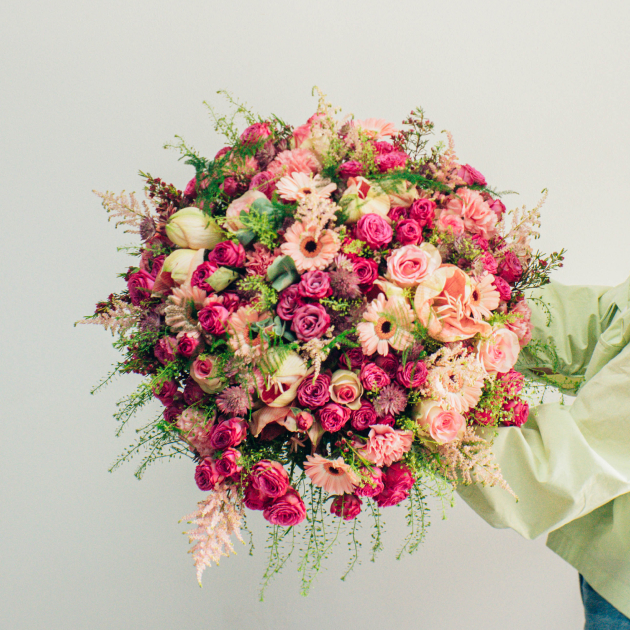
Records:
x=117, y=317
x=523, y=226
x=126, y=209
x=217, y=518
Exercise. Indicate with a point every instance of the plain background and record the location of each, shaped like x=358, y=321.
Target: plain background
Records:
x=536, y=94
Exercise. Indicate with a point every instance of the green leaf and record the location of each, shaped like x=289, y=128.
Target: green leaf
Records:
x=282, y=273
x=221, y=278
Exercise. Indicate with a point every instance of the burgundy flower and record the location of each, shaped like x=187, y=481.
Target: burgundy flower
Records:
x=289, y=302
x=374, y=377
x=388, y=421
x=364, y=416
x=366, y=270
x=188, y=345
x=231, y=301
x=213, y=317
x=192, y=392
x=228, y=433
x=310, y=321
x=519, y=410
x=172, y=412
x=423, y=211
x=164, y=350
x=191, y=188
x=351, y=359
x=229, y=186
x=201, y=274
x=512, y=382
x=346, y=506
x=227, y=254
x=333, y=416
x=314, y=394
x=255, y=133
x=269, y=478
x=412, y=374
x=315, y=284
x=368, y=489
x=206, y=475
x=287, y=510
x=397, y=213
x=510, y=268
x=263, y=182
x=139, y=285
x=253, y=499
x=166, y=392
x=353, y=168
x=504, y=289
x=374, y=230
x=228, y=465
x=409, y=232
x=471, y=175
x=389, y=363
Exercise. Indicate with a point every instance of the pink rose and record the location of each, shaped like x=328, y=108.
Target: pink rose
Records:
x=504, y=289
x=310, y=321
x=191, y=188
x=304, y=421
x=442, y=425
x=510, y=268
x=489, y=262
x=228, y=465
x=521, y=325
x=374, y=486
x=204, y=372
x=519, y=410
x=408, y=266
x=166, y=392
x=364, y=416
x=315, y=284
x=388, y=363
x=230, y=186
x=269, y=478
x=314, y=394
x=475, y=213
x=188, y=344
x=398, y=213
x=423, y=211
x=366, y=270
x=253, y=499
x=499, y=352
x=350, y=169
x=471, y=176
x=512, y=382
x=172, y=412
x=412, y=374
x=498, y=207
x=264, y=182
x=231, y=301
x=397, y=480
x=409, y=232
x=386, y=445
x=207, y=476
x=242, y=204
x=346, y=506
x=255, y=133
x=213, y=318
x=333, y=416
x=164, y=350
x=374, y=230
x=351, y=359
x=389, y=161
x=228, y=433
x=140, y=285
x=228, y=254
x=346, y=389
x=192, y=392
x=286, y=511
x=373, y=377
x=288, y=303
x=201, y=274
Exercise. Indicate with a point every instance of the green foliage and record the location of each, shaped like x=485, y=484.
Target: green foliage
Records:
x=267, y=295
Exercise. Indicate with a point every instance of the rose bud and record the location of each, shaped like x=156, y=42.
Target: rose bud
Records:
x=304, y=421
x=192, y=229
x=182, y=262
x=346, y=506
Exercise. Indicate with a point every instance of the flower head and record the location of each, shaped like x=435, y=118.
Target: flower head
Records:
x=300, y=185
x=333, y=475
x=388, y=322
x=309, y=247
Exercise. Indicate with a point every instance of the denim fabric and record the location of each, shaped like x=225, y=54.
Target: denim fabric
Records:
x=599, y=614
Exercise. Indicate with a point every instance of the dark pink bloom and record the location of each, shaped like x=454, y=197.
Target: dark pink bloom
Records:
x=304, y=421
x=388, y=363
x=230, y=186
x=387, y=498
x=353, y=168
x=140, y=285
x=164, y=350
x=263, y=182
x=269, y=478
x=228, y=465
x=366, y=270
x=409, y=232
x=166, y=392
x=389, y=161
x=333, y=416
x=310, y=321
x=222, y=152
x=253, y=499
x=498, y=207
x=201, y=274
x=371, y=489
x=520, y=412
x=483, y=417
x=504, y=289
x=228, y=433
x=287, y=510
x=471, y=175
x=489, y=262
x=423, y=211
x=351, y=359
x=314, y=394
x=255, y=133
x=172, y=412
x=206, y=475
x=388, y=421
x=227, y=254
x=192, y=392
x=397, y=213
x=510, y=268
x=383, y=147
x=512, y=382
x=374, y=377
x=315, y=284
x=481, y=242
x=397, y=480
x=412, y=374
x=289, y=302
x=188, y=345
x=191, y=188
x=364, y=416
x=374, y=230
x=346, y=506
x=231, y=301
x=213, y=317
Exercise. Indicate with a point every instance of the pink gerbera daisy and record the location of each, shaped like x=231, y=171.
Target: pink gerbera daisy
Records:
x=333, y=475
x=244, y=341
x=296, y=161
x=310, y=248
x=484, y=298
x=299, y=185
x=376, y=127
x=388, y=323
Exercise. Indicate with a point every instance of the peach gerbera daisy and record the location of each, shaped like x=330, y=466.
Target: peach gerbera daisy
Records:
x=299, y=185
x=376, y=127
x=460, y=390
x=310, y=248
x=484, y=298
x=388, y=323
x=295, y=161
x=245, y=341
x=333, y=475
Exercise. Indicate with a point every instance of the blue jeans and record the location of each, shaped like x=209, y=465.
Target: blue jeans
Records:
x=600, y=615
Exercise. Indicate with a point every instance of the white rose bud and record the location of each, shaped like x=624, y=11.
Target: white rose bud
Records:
x=181, y=263
x=192, y=229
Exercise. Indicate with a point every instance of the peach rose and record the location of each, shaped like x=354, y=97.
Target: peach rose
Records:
x=499, y=351
x=476, y=214
x=401, y=193
x=346, y=389
x=441, y=302
x=521, y=325
x=238, y=205
x=386, y=445
x=409, y=265
x=441, y=425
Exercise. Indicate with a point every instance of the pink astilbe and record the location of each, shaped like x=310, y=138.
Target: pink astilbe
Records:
x=217, y=518
x=117, y=317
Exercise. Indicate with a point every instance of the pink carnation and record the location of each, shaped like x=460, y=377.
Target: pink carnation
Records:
x=386, y=445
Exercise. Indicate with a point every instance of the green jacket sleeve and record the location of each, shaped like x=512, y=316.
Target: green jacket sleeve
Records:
x=569, y=460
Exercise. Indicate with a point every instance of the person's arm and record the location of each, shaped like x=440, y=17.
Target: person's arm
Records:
x=569, y=460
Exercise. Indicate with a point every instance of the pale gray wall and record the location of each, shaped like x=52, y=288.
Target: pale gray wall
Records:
x=536, y=94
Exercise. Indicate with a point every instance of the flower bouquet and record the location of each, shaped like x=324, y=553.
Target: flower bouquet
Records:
x=326, y=313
